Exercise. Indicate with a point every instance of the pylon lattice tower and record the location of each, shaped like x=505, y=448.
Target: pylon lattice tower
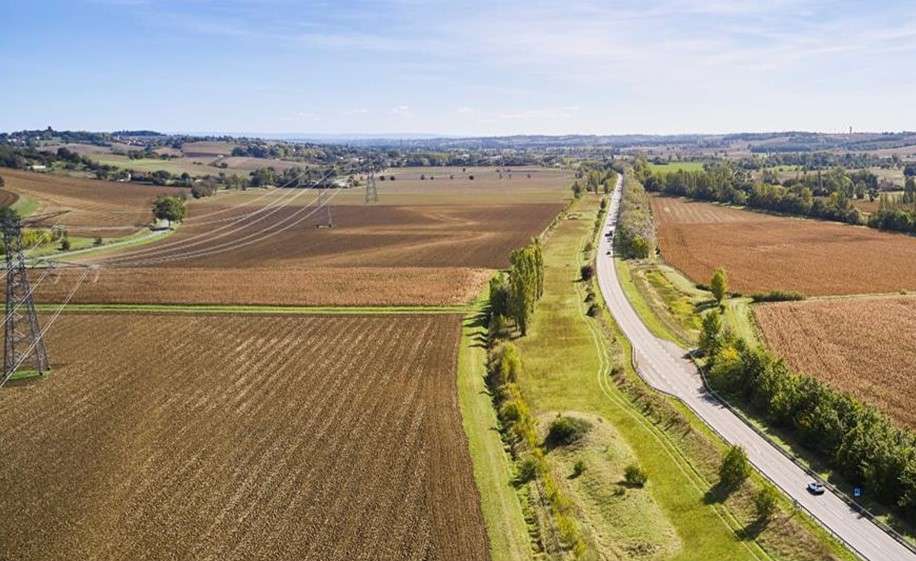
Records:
x=24, y=343
x=325, y=201
x=371, y=189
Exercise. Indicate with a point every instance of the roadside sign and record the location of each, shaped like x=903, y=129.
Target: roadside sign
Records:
x=857, y=492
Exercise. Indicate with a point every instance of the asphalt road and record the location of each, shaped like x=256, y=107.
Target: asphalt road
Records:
x=662, y=364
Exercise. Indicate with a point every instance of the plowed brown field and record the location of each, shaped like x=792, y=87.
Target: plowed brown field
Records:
x=240, y=437
x=374, y=255
x=764, y=252
x=864, y=346
x=96, y=208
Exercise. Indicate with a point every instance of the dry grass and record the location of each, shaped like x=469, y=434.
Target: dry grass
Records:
x=764, y=252
x=864, y=346
x=241, y=437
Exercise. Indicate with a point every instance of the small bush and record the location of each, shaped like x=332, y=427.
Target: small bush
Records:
x=735, y=467
x=97, y=242
x=578, y=468
x=590, y=297
x=635, y=476
x=777, y=296
x=527, y=471
x=587, y=271
x=765, y=503
x=593, y=310
x=504, y=364
x=65, y=244
x=566, y=430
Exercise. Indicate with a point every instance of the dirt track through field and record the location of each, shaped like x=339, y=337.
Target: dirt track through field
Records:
x=763, y=252
x=230, y=437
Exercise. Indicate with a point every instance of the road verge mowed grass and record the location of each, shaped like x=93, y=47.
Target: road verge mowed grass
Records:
x=563, y=373
x=493, y=469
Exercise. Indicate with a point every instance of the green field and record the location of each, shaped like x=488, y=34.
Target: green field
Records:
x=676, y=166
x=175, y=166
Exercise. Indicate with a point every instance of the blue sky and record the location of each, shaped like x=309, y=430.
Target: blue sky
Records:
x=457, y=67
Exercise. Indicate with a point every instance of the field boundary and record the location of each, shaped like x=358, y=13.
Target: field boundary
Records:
x=795, y=460
x=255, y=309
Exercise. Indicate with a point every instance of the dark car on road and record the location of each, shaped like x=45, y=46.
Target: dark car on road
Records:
x=816, y=488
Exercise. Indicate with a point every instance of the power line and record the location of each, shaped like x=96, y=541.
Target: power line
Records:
x=205, y=237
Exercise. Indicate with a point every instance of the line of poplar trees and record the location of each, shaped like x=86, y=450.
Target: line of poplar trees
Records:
x=514, y=294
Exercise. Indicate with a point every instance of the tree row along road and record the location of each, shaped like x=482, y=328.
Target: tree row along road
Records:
x=663, y=365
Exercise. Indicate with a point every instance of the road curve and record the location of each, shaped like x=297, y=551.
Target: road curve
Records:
x=663, y=365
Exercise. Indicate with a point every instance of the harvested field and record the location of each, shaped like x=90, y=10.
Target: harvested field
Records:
x=374, y=255
x=442, y=236
x=8, y=198
x=251, y=164
x=764, y=252
x=208, y=148
x=546, y=185
x=864, y=346
x=175, y=166
x=340, y=286
x=96, y=208
x=241, y=437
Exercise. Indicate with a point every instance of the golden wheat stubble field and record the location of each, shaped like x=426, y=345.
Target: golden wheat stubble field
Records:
x=763, y=252
x=865, y=346
x=249, y=437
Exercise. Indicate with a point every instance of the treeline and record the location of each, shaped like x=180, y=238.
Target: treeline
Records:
x=635, y=235
x=22, y=157
x=855, y=439
x=811, y=161
x=512, y=297
x=897, y=215
x=825, y=195
x=595, y=178
x=514, y=294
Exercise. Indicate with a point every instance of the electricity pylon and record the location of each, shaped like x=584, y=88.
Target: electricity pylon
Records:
x=24, y=344
x=371, y=189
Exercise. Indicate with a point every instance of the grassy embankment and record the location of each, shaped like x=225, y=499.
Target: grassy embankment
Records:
x=507, y=528
x=567, y=362
x=672, y=306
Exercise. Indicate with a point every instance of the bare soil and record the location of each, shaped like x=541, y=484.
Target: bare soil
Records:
x=240, y=437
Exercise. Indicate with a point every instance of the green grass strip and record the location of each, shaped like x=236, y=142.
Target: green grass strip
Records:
x=493, y=471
